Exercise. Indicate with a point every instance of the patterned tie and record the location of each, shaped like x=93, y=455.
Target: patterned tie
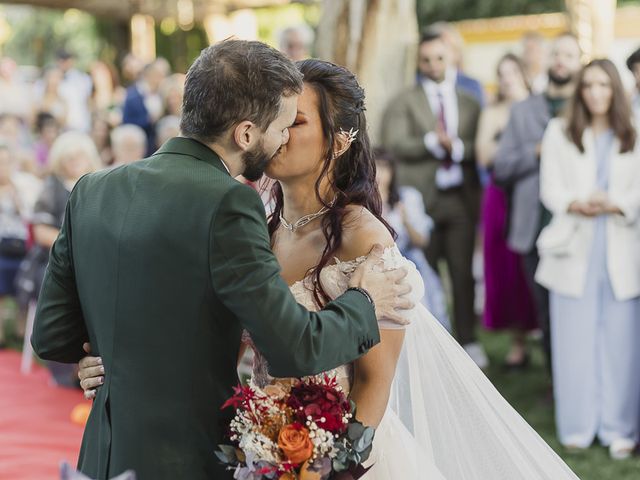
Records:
x=442, y=118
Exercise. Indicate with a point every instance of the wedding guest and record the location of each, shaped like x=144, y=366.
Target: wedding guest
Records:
x=431, y=128
x=101, y=136
x=107, y=96
x=172, y=91
x=72, y=155
x=296, y=42
x=534, y=57
x=15, y=134
x=454, y=41
x=75, y=89
x=516, y=166
x=13, y=232
x=633, y=64
x=589, y=261
x=128, y=143
x=47, y=130
x=143, y=105
x=105, y=83
x=131, y=67
x=14, y=92
x=168, y=127
x=504, y=308
x=403, y=209
x=51, y=101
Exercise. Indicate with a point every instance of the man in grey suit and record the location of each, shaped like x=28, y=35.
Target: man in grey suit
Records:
x=431, y=128
x=517, y=164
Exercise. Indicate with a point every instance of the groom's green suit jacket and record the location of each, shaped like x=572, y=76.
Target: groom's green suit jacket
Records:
x=160, y=265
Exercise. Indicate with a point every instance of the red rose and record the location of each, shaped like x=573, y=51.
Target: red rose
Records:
x=323, y=403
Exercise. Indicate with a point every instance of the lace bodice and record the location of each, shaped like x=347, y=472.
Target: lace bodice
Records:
x=335, y=280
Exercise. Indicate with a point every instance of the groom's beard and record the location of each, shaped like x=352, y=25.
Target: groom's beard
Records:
x=256, y=161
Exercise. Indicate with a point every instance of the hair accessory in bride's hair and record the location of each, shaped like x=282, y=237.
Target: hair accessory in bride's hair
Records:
x=351, y=135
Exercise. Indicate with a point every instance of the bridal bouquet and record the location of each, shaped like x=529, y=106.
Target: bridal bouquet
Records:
x=302, y=430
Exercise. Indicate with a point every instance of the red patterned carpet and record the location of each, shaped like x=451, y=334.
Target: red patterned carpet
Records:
x=36, y=431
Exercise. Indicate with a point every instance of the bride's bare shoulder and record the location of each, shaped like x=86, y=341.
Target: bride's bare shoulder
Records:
x=361, y=230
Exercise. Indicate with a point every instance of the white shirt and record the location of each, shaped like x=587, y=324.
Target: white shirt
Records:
x=445, y=92
x=75, y=89
x=225, y=165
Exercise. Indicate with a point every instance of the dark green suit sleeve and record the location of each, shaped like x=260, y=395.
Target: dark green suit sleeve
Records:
x=59, y=330
x=246, y=277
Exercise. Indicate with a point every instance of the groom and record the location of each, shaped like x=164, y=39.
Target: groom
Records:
x=162, y=263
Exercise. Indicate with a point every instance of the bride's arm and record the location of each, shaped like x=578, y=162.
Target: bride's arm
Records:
x=373, y=377
x=373, y=372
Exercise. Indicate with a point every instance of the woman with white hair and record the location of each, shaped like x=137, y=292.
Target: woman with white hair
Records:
x=128, y=143
x=72, y=155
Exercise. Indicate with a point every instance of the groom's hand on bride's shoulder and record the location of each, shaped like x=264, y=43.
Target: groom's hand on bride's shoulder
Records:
x=388, y=289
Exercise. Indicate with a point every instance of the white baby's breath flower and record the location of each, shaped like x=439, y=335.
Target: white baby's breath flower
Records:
x=323, y=443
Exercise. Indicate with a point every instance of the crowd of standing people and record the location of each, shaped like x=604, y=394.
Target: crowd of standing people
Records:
x=549, y=171
x=546, y=169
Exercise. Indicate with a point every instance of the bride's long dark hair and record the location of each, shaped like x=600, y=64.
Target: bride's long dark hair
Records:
x=353, y=175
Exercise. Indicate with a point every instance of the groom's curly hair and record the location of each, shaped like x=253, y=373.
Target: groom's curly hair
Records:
x=232, y=81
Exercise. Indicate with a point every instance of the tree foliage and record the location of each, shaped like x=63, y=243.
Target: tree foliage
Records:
x=430, y=11
x=37, y=33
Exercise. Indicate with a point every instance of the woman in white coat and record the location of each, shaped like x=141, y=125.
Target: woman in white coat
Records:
x=590, y=262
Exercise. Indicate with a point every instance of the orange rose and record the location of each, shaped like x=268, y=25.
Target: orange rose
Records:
x=295, y=443
x=287, y=476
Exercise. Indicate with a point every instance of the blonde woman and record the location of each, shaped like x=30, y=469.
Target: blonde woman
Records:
x=590, y=262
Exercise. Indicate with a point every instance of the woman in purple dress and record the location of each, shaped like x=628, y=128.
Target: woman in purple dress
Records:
x=508, y=301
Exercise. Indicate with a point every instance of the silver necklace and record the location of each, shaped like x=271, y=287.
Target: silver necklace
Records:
x=302, y=221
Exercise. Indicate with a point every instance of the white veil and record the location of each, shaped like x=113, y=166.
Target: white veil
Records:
x=460, y=420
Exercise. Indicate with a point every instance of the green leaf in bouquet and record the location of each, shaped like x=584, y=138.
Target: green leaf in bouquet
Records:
x=341, y=461
x=227, y=454
x=365, y=440
x=339, y=466
x=355, y=431
x=364, y=455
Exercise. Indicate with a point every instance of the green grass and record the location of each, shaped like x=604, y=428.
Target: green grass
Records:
x=529, y=393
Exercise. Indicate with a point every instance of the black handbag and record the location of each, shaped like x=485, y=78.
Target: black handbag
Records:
x=13, y=247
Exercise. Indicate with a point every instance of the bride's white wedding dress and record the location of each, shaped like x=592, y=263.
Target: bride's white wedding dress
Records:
x=445, y=420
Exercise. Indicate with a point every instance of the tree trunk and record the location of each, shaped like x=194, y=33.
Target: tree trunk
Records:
x=375, y=39
x=592, y=21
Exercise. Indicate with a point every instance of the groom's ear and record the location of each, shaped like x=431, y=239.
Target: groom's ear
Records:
x=244, y=135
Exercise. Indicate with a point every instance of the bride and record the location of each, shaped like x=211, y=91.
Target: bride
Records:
x=437, y=416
